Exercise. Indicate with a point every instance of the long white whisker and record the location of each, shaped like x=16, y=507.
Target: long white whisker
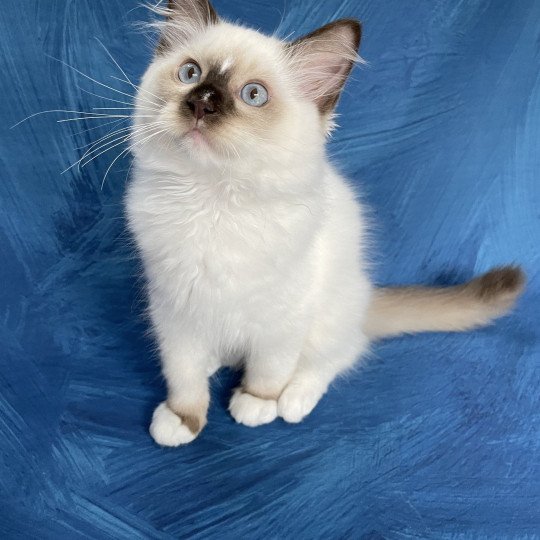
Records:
x=56, y=111
x=93, y=118
x=129, y=169
x=110, y=144
x=122, y=109
x=88, y=77
x=154, y=106
x=105, y=147
x=90, y=147
x=117, y=142
x=117, y=132
x=98, y=127
x=138, y=88
x=103, y=137
x=125, y=152
x=104, y=117
x=127, y=79
x=104, y=97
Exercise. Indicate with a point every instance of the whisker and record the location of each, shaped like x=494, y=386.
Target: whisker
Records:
x=84, y=161
x=122, y=109
x=132, y=132
x=109, y=145
x=103, y=97
x=98, y=127
x=56, y=111
x=154, y=108
x=113, y=108
x=93, y=118
x=127, y=79
x=125, y=152
x=129, y=169
x=138, y=88
x=87, y=154
x=88, y=77
x=104, y=117
x=105, y=137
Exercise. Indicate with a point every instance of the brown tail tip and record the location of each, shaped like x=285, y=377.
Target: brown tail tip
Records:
x=501, y=285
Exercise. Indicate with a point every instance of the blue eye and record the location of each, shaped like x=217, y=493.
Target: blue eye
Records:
x=190, y=73
x=254, y=94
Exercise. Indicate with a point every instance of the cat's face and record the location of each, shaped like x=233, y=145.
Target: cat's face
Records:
x=224, y=92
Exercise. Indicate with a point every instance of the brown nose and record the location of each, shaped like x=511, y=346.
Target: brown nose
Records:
x=200, y=107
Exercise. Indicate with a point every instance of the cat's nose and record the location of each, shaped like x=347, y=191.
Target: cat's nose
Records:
x=200, y=107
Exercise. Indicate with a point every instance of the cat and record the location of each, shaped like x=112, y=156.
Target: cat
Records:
x=253, y=245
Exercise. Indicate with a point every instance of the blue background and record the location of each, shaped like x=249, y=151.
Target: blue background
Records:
x=436, y=436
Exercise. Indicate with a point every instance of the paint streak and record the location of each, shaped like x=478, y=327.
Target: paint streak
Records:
x=437, y=437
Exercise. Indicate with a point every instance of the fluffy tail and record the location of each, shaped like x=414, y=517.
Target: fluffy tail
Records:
x=407, y=310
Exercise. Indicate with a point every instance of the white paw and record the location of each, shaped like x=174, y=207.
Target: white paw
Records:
x=167, y=428
x=297, y=401
x=252, y=411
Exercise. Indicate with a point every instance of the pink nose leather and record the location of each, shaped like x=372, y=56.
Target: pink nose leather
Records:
x=200, y=108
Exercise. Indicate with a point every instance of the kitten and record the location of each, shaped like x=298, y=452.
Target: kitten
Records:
x=252, y=243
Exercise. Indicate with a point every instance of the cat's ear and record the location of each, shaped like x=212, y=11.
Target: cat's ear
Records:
x=184, y=18
x=323, y=59
x=199, y=12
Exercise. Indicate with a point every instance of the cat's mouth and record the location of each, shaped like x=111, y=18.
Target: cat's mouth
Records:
x=197, y=136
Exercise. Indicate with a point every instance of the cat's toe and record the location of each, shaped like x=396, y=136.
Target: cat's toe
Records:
x=296, y=402
x=167, y=428
x=250, y=410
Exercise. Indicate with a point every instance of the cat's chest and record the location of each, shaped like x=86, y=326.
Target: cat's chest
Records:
x=218, y=237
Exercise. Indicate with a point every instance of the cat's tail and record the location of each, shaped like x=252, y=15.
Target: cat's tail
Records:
x=408, y=310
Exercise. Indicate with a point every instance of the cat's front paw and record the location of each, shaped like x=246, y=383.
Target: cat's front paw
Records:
x=169, y=429
x=297, y=401
x=250, y=410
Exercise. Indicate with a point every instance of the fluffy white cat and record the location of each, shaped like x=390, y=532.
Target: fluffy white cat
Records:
x=252, y=243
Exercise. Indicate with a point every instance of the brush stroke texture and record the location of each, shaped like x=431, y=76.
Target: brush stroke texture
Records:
x=436, y=437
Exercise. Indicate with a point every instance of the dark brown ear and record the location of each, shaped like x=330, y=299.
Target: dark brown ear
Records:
x=185, y=18
x=323, y=60
x=200, y=10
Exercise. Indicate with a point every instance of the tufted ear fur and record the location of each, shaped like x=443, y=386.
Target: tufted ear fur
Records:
x=323, y=60
x=184, y=18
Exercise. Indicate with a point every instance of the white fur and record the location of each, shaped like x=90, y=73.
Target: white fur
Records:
x=252, y=411
x=252, y=258
x=227, y=64
x=167, y=428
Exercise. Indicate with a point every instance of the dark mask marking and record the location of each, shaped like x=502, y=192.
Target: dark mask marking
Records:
x=210, y=99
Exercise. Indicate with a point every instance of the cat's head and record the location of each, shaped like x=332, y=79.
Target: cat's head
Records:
x=223, y=92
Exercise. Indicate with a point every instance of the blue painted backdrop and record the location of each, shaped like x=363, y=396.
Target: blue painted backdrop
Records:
x=437, y=436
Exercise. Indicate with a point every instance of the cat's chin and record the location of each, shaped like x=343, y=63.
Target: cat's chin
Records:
x=201, y=148
x=198, y=143
x=211, y=149
x=197, y=138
